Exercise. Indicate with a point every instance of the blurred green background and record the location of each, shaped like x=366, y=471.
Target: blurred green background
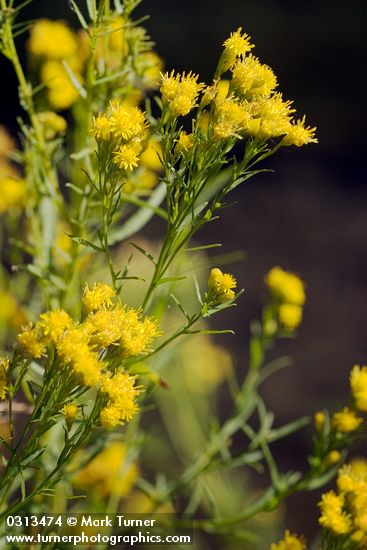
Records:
x=310, y=216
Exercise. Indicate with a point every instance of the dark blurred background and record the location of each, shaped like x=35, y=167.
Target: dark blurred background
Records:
x=310, y=216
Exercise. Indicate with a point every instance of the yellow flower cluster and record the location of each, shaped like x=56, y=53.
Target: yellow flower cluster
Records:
x=180, y=92
x=12, y=186
x=346, y=421
x=79, y=345
x=51, y=43
x=221, y=285
x=122, y=393
x=288, y=291
x=4, y=366
x=345, y=512
x=107, y=473
x=358, y=384
x=246, y=105
x=124, y=128
x=290, y=542
x=70, y=412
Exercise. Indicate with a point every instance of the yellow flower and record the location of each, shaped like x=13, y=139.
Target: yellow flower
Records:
x=61, y=91
x=70, y=412
x=108, y=472
x=298, y=134
x=353, y=477
x=54, y=323
x=180, y=92
x=97, y=297
x=32, y=342
x=184, y=143
x=101, y=128
x=137, y=335
x=122, y=394
x=4, y=366
x=290, y=542
x=126, y=121
x=238, y=44
x=52, y=39
x=52, y=123
x=106, y=326
x=231, y=118
x=358, y=384
x=252, y=79
x=286, y=286
x=346, y=421
x=290, y=315
x=150, y=158
x=333, y=458
x=222, y=284
x=12, y=193
x=127, y=156
x=332, y=515
x=319, y=420
x=73, y=349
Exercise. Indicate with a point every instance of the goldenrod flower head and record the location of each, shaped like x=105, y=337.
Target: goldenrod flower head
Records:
x=251, y=78
x=184, y=143
x=61, y=91
x=333, y=457
x=150, y=66
x=209, y=94
x=222, y=284
x=122, y=394
x=286, y=286
x=238, y=44
x=275, y=116
x=4, y=366
x=332, y=515
x=108, y=472
x=106, y=326
x=126, y=121
x=101, y=128
x=116, y=39
x=352, y=477
x=358, y=385
x=290, y=315
x=99, y=296
x=232, y=118
x=137, y=335
x=298, y=134
x=54, y=323
x=52, y=123
x=73, y=349
x=52, y=40
x=346, y=421
x=127, y=156
x=70, y=412
x=180, y=92
x=290, y=542
x=12, y=193
x=319, y=420
x=31, y=341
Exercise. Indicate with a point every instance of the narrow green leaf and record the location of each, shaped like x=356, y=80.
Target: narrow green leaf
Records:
x=203, y=247
x=92, y=9
x=170, y=279
x=180, y=306
x=82, y=153
x=86, y=243
x=77, y=85
x=75, y=8
x=197, y=289
x=144, y=252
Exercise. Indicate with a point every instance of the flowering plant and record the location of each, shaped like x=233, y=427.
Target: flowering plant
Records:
x=108, y=142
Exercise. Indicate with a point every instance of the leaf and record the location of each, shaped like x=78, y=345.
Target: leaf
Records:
x=192, y=215
x=141, y=218
x=180, y=306
x=92, y=9
x=144, y=252
x=74, y=6
x=197, y=289
x=77, y=85
x=86, y=243
x=203, y=247
x=287, y=429
x=82, y=153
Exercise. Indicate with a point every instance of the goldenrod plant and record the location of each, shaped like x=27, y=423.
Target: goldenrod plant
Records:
x=95, y=317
